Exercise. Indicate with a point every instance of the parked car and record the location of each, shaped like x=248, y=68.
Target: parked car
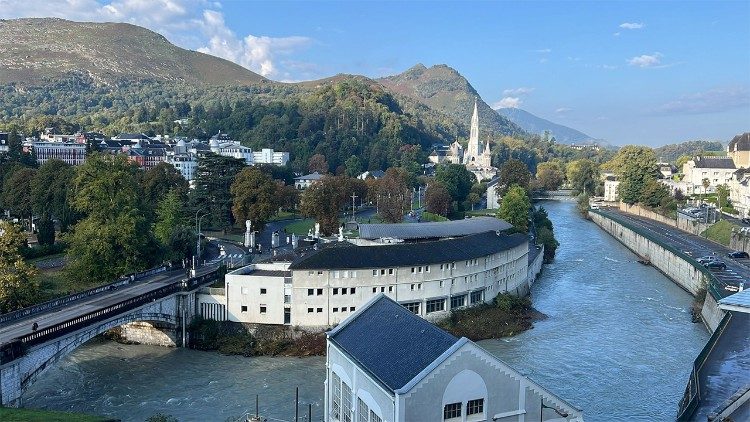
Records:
x=746, y=220
x=705, y=259
x=594, y=207
x=738, y=254
x=734, y=286
x=715, y=265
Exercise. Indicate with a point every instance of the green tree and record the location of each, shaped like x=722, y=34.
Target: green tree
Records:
x=550, y=175
x=256, y=196
x=722, y=194
x=49, y=192
x=654, y=194
x=213, y=180
x=45, y=231
x=546, y=237
x=17, y=193
x=161, y=179
x=681, y=160
x=583, y=176
x=322, y=201
x=170, y=214
x=318, y=163
x=114, y=238
x=353, y=166
x=456, y=179
x=635, y=167
x=18, y=286
x=394, y=195
x=513, y=173
x=437, y=199
x=514, y=208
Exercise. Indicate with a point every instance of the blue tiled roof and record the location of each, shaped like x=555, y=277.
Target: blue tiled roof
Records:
x=390, y=343
x=435, y=229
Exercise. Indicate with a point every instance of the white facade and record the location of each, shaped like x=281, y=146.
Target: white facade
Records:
x=463, y=384
x=186, y=164
x=718, y=171
x=269, y=156
x=739, y=192
x=304, y=182
x=493, y=199
x=70, y=152
x=610, y=190
x=324, y=297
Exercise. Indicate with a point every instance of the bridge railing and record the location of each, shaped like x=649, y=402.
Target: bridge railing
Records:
x=692, y=396
x=61, y=301
x=16, y=347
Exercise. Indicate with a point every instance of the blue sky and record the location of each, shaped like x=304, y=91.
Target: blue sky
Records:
x=629, y=72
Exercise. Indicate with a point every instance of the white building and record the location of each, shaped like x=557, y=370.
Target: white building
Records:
x=739, y=192
x=304, y=182
x=718, y=171
x=72, y=153
x=323, y=287
x=4, y=147
x=493, y=199
x=383, y=364
x=222, y=144
x=610, y=189
x=185, y=163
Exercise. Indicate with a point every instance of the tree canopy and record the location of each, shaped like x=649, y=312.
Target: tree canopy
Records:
x=514, y=208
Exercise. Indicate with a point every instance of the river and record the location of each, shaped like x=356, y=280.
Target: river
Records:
x=618, y=343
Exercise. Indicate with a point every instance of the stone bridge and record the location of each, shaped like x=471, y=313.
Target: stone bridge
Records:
x=557, y=195
x=166, y=298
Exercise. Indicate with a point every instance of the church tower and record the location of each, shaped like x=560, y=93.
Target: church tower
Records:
x=475, y=148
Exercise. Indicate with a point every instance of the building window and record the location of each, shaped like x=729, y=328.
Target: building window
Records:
x=243, y=308
x=262, y=291
x=374, y=417
x=458, y=301
x=336, y=399
x=427, y=269
x=287, y=298
x=363, y=411
x=441, y=283
x=390, y=289
x=413, y=270
x=262, y=309
x=346, y=403
x=390, y=271
x=335, y=290
x=310, y=292
x=412, y=287
x=320, y=310
x=382, y=289
x=435, y=305
x=320, y=292
x=451, y=411
x=476, y=297
x=352, y=290
x=374, y=289
x=351, y=309
x=412, y=307
x=374, y=273
x=309, y=310
x=335, y=310
x=382, y=272
x=343, y=290
x=475, y=407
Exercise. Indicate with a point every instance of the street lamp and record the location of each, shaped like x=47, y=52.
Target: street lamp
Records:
x=198, y=241
x=543, y=406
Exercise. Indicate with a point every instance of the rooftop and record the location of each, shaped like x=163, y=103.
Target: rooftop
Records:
x=739, y=301
x=432, y=230
x=347, y=256
x=311, y=176
x=389, y=342
x=714, y=162
x=740, y=143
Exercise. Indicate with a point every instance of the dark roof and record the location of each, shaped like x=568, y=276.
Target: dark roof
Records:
x=389, y=342
x=348, y=256
x=312, y=176
x=740, y=143
x=432, y=230
x=271, y=273
x=713, y=162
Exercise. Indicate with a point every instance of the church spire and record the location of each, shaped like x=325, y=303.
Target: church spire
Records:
x=474, y=133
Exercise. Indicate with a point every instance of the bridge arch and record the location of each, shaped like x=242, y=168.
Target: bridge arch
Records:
x=40, y=358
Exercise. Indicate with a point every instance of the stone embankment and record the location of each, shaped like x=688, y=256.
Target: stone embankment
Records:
x=682, y=269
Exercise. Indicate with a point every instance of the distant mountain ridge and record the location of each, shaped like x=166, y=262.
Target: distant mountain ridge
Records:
x=443, y=89
x=40, y=50
x=535, y=124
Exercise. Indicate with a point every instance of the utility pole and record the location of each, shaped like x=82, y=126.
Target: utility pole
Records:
x=354, y=196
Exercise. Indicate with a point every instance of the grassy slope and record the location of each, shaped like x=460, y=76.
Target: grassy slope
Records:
x=720, y=232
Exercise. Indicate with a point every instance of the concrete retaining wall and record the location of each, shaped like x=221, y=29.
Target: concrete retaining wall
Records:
x=146, y=333
x=679, y=270
x=685, y=224
x=535, y=267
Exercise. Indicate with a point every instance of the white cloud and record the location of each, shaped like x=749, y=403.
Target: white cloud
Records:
x=711, y=101
x=507, y=102
x=646, y=60
x=193, y=24
x=543, y=51
x=632, y=25
x=616, y=34
x=518, y=91
x=562, y=110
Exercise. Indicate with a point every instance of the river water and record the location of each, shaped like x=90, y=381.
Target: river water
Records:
x=618, y=343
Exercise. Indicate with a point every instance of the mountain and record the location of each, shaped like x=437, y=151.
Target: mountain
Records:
x=534, y=124
x=443, y=89
x=37, y=51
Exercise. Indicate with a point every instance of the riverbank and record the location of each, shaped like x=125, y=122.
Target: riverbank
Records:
x=34, y=415
x=506, y=316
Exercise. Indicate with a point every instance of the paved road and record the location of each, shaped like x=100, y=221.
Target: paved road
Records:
x=11, y=330
x=738, y=270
